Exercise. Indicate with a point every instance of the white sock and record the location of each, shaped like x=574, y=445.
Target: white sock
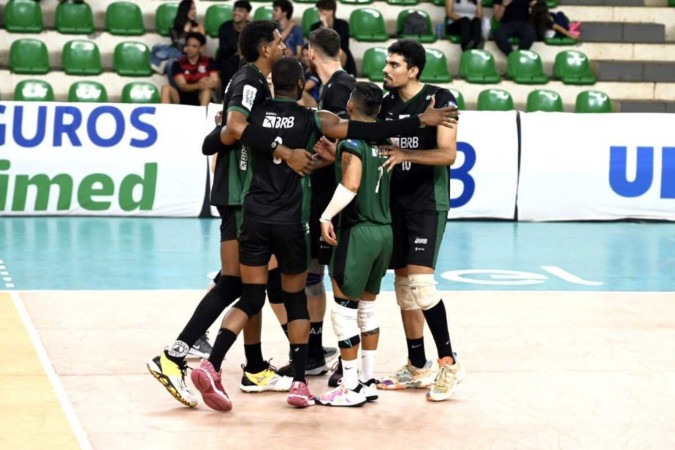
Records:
x=350, y=373
x=367, y=364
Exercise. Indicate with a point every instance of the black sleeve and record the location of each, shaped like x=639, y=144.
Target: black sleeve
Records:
x=212, y=143
x=257, y=137
x=377, y=131
x=342, y=28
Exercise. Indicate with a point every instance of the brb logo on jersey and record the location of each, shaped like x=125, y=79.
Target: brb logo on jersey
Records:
x=274, y=121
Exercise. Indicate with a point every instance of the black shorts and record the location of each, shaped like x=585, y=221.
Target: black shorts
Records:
x=417, y=238
x=319, y=249
x=230, y=222
x=289, y=243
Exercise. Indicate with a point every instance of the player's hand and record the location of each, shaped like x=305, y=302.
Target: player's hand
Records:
x=325, y=149
x=395, y=154
x=299, y=160
x=445, y=117
x=328, y=233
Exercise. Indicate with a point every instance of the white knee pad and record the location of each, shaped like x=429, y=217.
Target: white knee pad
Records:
x=423, y=290
x=345, y=325
x=367, y=316
x=404, y=297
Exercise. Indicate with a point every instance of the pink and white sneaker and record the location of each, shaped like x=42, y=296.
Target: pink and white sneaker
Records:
x=299, y=395
x=208, y=382
x=342, y=396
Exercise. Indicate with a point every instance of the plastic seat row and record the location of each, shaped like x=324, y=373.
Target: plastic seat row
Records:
x=86, y=91
x=478, y=66
x=79, y=57
x=544, y=100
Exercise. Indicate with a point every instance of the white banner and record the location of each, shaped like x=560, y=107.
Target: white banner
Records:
x=211, y=111
x=101, y=159
x=484, y=178
x=597, y=166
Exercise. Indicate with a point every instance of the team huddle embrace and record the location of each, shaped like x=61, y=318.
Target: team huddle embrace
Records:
x=360, y=185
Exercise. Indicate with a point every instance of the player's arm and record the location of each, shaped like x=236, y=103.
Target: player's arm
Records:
x=344, y=193
x=444, y=155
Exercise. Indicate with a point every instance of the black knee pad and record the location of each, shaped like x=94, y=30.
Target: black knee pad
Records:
x=274, y=292
x=314, y=278
x=227, y=288
x=252, y=299
x=296, y=305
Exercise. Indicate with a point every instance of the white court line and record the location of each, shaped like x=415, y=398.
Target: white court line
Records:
x=60, y=392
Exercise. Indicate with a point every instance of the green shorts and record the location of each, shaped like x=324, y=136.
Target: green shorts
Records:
x=361, y=258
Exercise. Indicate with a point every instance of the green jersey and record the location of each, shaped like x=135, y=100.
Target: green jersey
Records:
x=372, y=199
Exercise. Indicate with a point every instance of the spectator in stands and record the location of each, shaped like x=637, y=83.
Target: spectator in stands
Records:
x=312, y=91
x=162, y=55
x=514, y=20
x=196, y=75
x=465, y=20
x=327, y=9
x=547, y=25
x=227, y=57
x=290, y=32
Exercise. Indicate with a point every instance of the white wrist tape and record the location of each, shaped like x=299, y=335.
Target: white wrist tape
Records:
x=341, y=198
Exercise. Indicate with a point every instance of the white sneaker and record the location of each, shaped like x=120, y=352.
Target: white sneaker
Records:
x=449, y=376
x=341, y=396
x=368, y=389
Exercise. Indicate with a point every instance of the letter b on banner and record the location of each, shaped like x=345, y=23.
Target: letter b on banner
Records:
x=461, y=174
x=644, y=172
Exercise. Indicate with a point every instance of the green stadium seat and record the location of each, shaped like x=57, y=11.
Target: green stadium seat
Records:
x=124, y=19
x=495, y=100
x=305, y=1
x=81, y=58
x=544, y=100
x=74, y=18
x=132, y=59
x=403, y=2
x=309, y=18
x=356, y=2
x=459, y=97
x=525, y=67
x=552, y=4
x=573, y=67
x=559, y=41
x=488, y=3
x=593, y=102
x=33, y=91
x=215, y=16
x=164, y=17
x=424, y=38
x=374, y=60
x=140, y=92
x=438, y=2
x=263, y=13
x=478, y=66
x=367, y=25
x=23, y=16
x=671, y=2
x=28, y=56
x=436, y=68
x=87, y=91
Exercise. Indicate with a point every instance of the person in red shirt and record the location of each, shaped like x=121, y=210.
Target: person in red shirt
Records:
x=195, y=74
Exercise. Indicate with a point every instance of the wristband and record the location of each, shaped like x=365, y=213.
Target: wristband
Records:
x=341, y=198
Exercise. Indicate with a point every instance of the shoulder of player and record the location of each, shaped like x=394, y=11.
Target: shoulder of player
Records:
x=439, y=93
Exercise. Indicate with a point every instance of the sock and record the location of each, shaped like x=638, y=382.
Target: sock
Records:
x=284, y=326
x=416, y=353
x=223, y=343
x=438, y=325
x=316, y=340
x=299, y=354
x=254, y=359
x=223, y=294
x=350, y=375
x=367, y=364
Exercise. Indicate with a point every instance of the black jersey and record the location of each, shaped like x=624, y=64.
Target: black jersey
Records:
x=334, y=97
x=248, y=87
x=273, y=192
x=418, y=187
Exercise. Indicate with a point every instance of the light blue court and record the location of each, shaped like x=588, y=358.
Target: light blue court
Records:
x=142, y=253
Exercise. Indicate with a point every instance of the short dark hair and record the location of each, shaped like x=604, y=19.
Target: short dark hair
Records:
x=368, y=98
x=285, y=74
x=195, y=35
x=244, y=4
x=413, y=53
x=328, y=5
x=254, y=35
x=285, y=6
x=326, y=40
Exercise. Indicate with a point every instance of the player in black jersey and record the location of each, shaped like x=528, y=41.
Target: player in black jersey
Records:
x=419, y=205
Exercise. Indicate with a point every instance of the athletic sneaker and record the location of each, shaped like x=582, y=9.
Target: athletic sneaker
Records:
x=172, y=377
x=329, y=353
x=368, y=389
x=314, y=367
x=299, y=395
x=336, y=376
x=342, y=396
x=409, y=377
x=201, y=348
x=448, y=377
x=208, y=382
x=266, y=380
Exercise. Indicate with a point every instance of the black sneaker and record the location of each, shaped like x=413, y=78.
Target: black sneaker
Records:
x=329, y=353
x=201, y=348
x=336, y=376
x=314, y=368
